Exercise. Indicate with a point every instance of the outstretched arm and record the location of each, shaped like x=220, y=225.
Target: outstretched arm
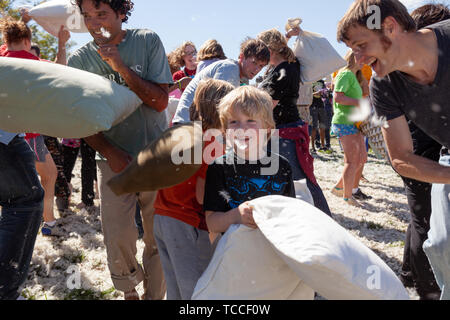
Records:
x=219, y=222
x=63, y=37
x=405, y=162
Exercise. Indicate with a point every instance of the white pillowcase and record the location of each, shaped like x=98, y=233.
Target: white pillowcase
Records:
x=245, y=267
x=297, y=250
x=60, y=101
x=322, y=253
x=51, y=15
x=317, y=56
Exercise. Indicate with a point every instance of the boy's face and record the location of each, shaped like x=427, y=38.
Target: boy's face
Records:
x=250, y=67
x=103, y=23
x=248, y=136
x=373, y=49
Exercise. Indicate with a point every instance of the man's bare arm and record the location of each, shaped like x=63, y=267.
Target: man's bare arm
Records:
x=153, y=95
x=117, y=159
x=63, y=37
x=405, y=162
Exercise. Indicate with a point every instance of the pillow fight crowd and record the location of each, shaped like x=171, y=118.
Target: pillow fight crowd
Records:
x=410, y=55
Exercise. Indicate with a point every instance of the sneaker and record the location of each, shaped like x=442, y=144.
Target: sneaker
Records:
x=49, y=231
x=81, y=206
x=359, y=195
x=431, y=296
x=328, y=151
x=131, y=295
x=428, y=290
x=352, y=202
x=338, y=192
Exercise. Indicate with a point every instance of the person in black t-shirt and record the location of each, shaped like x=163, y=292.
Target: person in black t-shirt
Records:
x=282, y=83
x=412, y=80
x=416, y=270
x=247, y=172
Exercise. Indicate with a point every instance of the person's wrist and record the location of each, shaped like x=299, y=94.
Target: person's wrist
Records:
x=237, y=218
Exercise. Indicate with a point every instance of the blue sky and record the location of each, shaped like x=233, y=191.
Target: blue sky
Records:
x=231, y=21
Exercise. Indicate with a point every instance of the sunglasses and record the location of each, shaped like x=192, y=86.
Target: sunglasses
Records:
x=191, y=53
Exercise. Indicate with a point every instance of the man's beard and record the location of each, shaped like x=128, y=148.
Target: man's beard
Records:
x=386, y=43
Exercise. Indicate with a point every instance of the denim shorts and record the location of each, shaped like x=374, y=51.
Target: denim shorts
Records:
x=342, y=130
x=319, y=118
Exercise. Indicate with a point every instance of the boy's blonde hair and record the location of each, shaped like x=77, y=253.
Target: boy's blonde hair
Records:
x=206, y=102
x=251, y=101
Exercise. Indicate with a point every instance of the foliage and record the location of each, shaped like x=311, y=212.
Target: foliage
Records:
x=46, y=42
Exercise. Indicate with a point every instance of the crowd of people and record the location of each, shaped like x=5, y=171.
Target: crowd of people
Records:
x=182, y=224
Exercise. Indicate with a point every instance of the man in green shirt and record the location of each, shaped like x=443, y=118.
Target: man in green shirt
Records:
x=136, y=59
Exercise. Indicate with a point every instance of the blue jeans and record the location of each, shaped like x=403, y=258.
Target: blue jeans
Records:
x=288, y=149
x=21, y=198
x=437, y=247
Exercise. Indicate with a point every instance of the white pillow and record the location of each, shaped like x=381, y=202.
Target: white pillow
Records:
x=60, y=101
x=51, y=15
x=302, y=191
x=245, y=267
x=171, y=109
x=322, y=253
x=317, y=56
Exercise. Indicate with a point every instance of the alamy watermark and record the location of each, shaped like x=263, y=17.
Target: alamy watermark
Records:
x=374, y=21
x=75, y=19
x=74, y=279
x=374, y=279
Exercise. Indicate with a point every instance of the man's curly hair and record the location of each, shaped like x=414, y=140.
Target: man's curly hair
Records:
x=119, y=6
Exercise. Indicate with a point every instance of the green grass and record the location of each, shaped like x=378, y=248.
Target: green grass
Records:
x=374, y=226
x=397, y=244
x=88, y=294
x=76, y=258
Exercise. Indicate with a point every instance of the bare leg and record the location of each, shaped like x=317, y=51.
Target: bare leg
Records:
x=48, y=173
x=322, y=138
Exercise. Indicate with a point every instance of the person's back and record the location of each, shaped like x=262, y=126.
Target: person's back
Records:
x=254, y=55
x=227, y=70
x=347, y=83
x=283, y=84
